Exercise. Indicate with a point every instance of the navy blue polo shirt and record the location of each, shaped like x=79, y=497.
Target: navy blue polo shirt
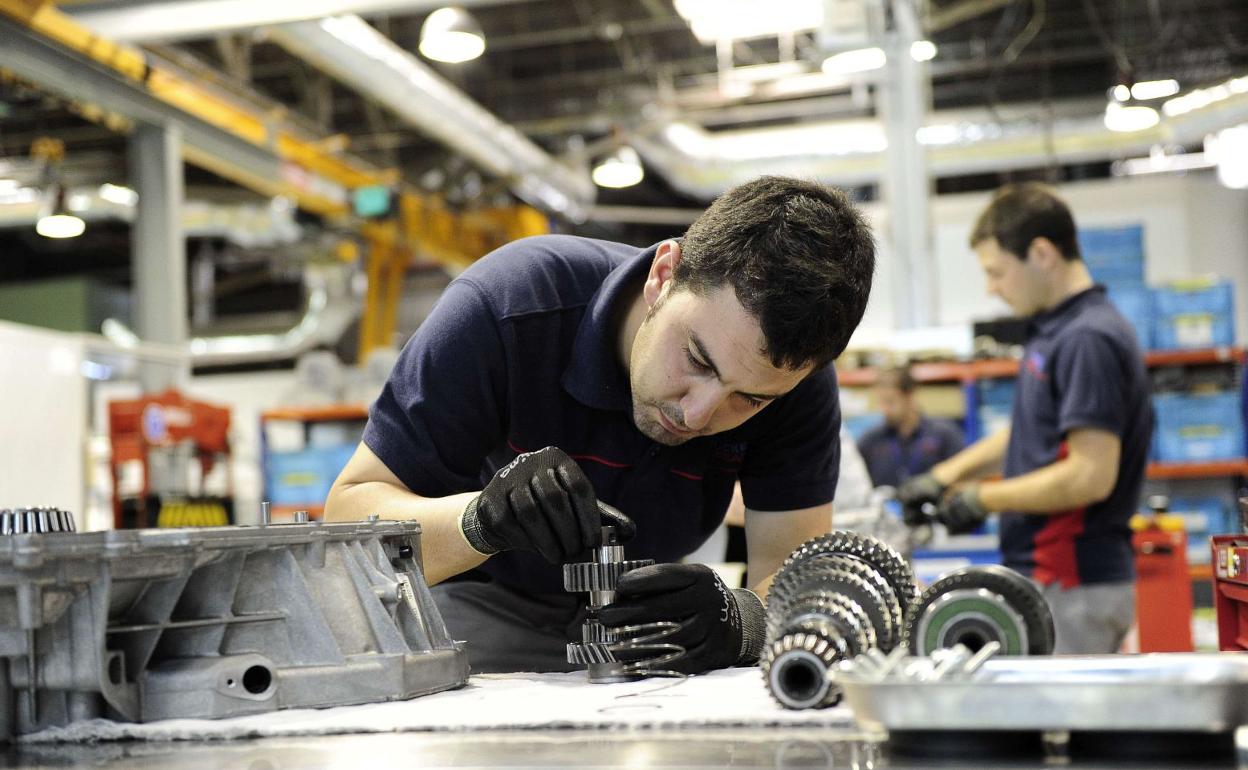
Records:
x=520, y=353
x=892, y=458
x=1082, y=368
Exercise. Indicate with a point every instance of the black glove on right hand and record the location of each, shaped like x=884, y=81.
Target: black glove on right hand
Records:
x=540, y=502
x=914, y=494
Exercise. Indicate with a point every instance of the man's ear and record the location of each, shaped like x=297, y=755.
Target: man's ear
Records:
x=1043, y=253
x=661, y=269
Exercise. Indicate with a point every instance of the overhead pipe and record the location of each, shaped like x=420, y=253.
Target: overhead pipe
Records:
x=329, y=312
x=703, y=165
x=357, y=55
x=153, y=21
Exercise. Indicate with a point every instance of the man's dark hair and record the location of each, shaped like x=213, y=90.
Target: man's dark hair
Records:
x=898, y=377
x=799, y=256
x=1021, y=213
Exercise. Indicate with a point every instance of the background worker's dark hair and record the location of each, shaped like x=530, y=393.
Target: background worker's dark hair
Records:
x=1021, y=213
x=898, y=377
x=800, y=257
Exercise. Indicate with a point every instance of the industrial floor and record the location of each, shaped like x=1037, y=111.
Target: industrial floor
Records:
x=734, y=748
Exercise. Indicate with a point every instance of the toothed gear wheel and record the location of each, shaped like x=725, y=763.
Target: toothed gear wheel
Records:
x=973, y=605
x=588, y=654
x=33, y=521
x=592, y=576
x=816, y=607
x=594, y=632
x=796, y=669
x=848, y=577
x=874, y=552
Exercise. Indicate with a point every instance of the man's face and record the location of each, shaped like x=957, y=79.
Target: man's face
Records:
x=893, y=404
x=697, y=366
x=1016, y=281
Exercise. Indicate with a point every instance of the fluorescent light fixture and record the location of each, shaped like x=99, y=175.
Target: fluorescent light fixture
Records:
x=1203, y=97
x=713, y=20
x=1161, y=163
x=1120, y=93
x=855, y=61
x=811, y=139
x=60, y=226
x=9, y=185
x=922, y=50
x=1126, y=118
x=1230, y=149
x=78, y=201
x=939, y=134
x=18, y=196
x=451, y=35
x=58, y=222
x=621, y=168
x=1154, y=89
x=122, y=196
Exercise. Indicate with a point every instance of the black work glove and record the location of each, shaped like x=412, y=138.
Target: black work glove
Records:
x=962, y=511
x=542, y=502
x=914, y=494
x=718, y=627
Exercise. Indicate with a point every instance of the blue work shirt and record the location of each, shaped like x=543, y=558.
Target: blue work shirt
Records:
x=892, y=458
x=1082, y=368
x=521, y=352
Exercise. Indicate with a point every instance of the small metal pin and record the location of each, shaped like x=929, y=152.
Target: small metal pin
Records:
x=266, y=515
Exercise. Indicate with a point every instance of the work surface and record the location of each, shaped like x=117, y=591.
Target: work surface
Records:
x=723, y=719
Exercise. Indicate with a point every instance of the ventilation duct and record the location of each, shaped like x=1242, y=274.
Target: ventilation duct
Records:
x=363, y=59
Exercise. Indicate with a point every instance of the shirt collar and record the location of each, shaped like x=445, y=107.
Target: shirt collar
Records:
x=594, y=375
x=1055, y=318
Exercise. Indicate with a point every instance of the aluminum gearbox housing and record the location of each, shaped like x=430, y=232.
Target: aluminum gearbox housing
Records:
x=140, y=625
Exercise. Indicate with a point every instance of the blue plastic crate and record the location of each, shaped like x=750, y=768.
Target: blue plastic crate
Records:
x=304, y=477
x=1203, y=517
x=1136, y=305
x=1114, y=255
x=1198, y=427
x=1194, y=314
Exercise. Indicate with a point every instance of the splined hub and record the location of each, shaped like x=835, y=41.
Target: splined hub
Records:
x=835, y=597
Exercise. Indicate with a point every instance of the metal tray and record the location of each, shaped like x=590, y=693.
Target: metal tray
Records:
x=1169, y=692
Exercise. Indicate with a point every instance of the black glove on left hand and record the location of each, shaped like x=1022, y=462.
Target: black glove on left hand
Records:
x=962, y=511
x=719, y=627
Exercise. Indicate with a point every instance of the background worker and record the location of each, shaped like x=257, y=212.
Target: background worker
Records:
x=1075, y=452
x=655, y=378
x=907, y=443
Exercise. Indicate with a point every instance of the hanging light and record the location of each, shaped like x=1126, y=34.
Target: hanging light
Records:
x=855, y=61
x=1126, y=117
x=451, y=35
x=621, y=168
x=59, y=222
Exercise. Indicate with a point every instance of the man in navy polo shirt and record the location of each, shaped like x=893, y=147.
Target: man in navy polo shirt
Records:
x=559, y=371
x=907, y=443
x=1075, y=451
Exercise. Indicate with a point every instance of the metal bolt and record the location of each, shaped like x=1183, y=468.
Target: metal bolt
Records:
x=266, y=515
x=374, y=517
x=301, y=517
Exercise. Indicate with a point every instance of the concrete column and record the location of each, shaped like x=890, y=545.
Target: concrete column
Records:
x=904, y=96
x=158, y=248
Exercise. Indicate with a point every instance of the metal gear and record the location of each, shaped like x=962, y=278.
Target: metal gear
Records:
x=30, y=521
x=582, y=577
x=976, y=604
x=874, y=552
x=851, y=578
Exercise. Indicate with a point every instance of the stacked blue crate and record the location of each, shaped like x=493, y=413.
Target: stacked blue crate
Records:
x=304, y=477
x=1198, y=313
x=1115, y=257
x=1198, y=427
x=1203, y=517
x=996, y=401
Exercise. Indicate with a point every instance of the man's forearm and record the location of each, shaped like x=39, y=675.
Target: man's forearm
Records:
x=444, y=550
x=1056, y=488
x=976, y=461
